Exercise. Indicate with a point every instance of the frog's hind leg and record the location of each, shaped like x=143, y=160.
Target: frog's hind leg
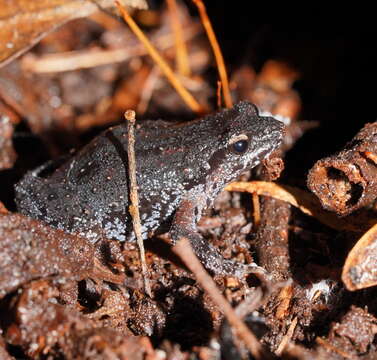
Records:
x=28, y=189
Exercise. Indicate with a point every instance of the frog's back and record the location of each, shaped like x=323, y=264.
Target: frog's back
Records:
x=89, y=193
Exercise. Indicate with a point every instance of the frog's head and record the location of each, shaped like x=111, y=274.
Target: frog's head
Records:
x=245, y=139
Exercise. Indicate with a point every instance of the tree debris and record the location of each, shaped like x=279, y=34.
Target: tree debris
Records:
x=24, y=23
x=360, y=269
x=134, y=207
x=347, y=181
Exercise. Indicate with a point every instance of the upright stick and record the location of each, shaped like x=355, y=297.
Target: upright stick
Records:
x=134, y=207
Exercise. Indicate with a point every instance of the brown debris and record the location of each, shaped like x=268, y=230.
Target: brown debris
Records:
x=357, y=326
x=307, y=203
x=272, y=167
x=38, y=106
x=353, y=335
x=159, y=60
x=7, y=153
x=184, y=251
x=286, y=339
x=7, y=121
x=88, y=58
x=271, y=89
x=347, y=181
x=41, y=326
x=3, y=209
x=107, y=344
x=147, y=317
x=23, y=23
x=4, y=355
x=31, y=250
x=271, y=239
x=360, y=269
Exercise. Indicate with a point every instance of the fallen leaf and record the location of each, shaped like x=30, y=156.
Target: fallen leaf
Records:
x=360, y=270
x=23, y=22
x=307, y=203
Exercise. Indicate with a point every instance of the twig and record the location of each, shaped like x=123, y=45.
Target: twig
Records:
x=104, y=273
x=218, y=94
x=147, y=92
x=134, y=207
x=216, y=51
x=84, y=59
x=184, y=251
x=256, y=210
x=287, y=337
x=165, y=68
x=181, y=55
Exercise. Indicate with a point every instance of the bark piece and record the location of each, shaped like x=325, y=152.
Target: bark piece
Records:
x=272, y=238
x=352, y=335
x=347, y=181
x=41, y=328
x=30, y=250
x=7, y=121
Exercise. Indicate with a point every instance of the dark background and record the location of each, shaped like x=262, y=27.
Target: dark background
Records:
x=337, y=70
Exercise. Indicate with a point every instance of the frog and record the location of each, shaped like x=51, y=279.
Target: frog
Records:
x=180, y=170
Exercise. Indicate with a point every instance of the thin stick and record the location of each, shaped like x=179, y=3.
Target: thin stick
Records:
x=184, y=251
x=256, y=210
x=134, y=207
x=165, y=68
x=218, y=94
x=287, y=337
x=84, y=59
x=216, y=51
x=181, y=55
x=147, y=92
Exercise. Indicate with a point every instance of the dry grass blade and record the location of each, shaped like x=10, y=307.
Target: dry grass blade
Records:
x=184, y=251
x=216, y=51
x=181, y=55
x=218, y=94
x=23, y=22
x=306, y=202
x=134, y=207
x=84, y=59
x=165, y=68
x=360, y=270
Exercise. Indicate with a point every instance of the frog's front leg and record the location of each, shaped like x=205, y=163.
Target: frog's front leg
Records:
x=184, y=225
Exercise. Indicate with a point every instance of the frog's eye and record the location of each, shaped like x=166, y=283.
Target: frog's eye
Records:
x=239, y=144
